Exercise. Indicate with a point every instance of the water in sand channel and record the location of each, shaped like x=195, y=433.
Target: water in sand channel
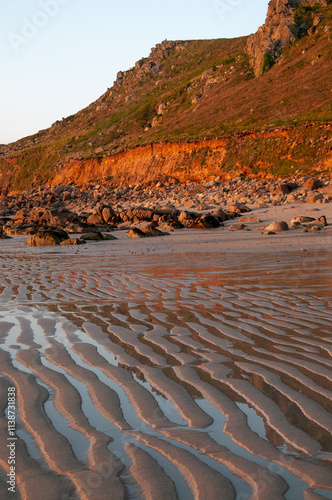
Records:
x=167, y=378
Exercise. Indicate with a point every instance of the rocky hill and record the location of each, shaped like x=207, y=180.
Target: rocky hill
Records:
x=194, y=110
x=286, y=22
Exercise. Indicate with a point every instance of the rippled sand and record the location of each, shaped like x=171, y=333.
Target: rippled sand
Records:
x=183, y=376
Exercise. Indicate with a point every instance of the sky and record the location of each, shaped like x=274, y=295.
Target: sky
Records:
x=58, y=56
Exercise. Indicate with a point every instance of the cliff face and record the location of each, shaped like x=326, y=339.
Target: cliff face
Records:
x=256, y=154
x=286, y=21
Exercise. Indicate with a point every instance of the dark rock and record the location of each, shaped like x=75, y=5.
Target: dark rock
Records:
x=281, y=189
x=292, y=186
x=205, y=222
x=277, y=226
x=302, y=220
x=47, y=237
x=109, y=237
x=186, y=218
x=250, y=219
x=92, y=236
x=3, y=236
x=150, y=230
x=24, y=230
x=95, y=220
x=45, y=217
x=136, y=233
x=221, y=215
x=72, y=241
x=108, y=214
x=238, y=208
x=312, y=184
x=141, y=214
x=321, y=221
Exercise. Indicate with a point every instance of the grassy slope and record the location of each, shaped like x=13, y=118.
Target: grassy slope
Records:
x=230, y=100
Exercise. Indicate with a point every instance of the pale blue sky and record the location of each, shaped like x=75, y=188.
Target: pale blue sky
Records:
x=58, y=56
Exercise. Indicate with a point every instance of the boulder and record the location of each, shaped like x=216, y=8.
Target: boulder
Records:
x=250, y=219
x=109, y=237
x=221, y=214
x=186, y=218
x=47, y=237
x=45, y=217
x=3, y=236
x=92, y=236
x=24, y=230
x=314, y=197
x=302, y=220
x=152, y=231
x=281, y=189
x=108, y=214
x=312, y=184
x=321, y=221
x=237, y=227
x=277, y=226
x=136, y=233
x=72, y=241
x=238, y=208
x=95, y=220
x=205, y=222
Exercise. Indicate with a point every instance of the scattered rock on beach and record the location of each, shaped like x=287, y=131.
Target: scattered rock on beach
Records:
x=3, y=236
x=72, y=241
x=238, y=208
x=45, y=217
x=277, y=226
x=47, y=237
x=24, y=230
x=150, y=230
x=92, y=236
x=136, y=233
x=109, y=237
x=312, y=184
x=187, y=218
x=302, y=220
x=95, y=220
x=205, y=222
x=221, y=214
x=250, y=219
x=321, y=220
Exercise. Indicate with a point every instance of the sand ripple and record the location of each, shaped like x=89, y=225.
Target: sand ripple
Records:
x=181, y=380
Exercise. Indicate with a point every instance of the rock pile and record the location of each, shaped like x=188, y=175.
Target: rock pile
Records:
x=152, y=207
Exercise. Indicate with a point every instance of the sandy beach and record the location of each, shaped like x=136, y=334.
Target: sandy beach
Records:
x=195, y=365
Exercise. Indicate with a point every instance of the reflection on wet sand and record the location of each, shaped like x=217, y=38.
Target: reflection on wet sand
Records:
x=194, y=379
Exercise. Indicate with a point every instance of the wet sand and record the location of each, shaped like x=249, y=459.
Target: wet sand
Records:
x=192, y=366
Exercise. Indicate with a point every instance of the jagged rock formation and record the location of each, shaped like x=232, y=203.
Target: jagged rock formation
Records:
x=286, y=21
x=150, y=64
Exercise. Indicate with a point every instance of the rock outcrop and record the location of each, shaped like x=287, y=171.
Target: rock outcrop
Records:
x=149, y=64
x=286, y=21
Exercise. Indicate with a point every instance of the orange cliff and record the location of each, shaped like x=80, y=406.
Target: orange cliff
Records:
x=147, y=163
x=197, y=160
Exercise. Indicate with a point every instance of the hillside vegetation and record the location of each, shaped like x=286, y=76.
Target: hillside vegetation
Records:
x=192, y=90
